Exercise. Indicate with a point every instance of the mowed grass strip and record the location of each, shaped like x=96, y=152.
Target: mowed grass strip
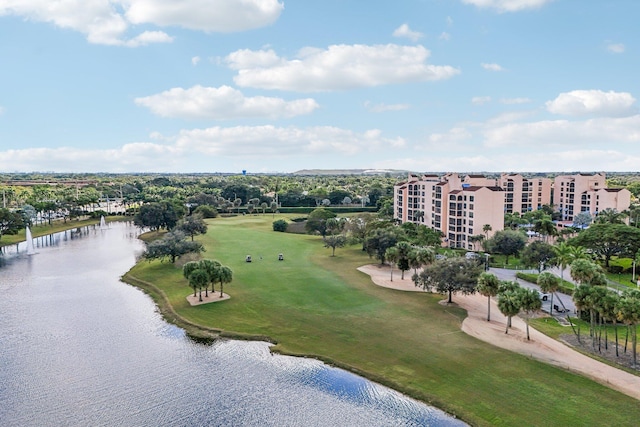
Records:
x=317, y=305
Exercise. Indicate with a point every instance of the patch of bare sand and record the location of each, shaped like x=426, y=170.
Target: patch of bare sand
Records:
x=212, y=297
x=539, y=347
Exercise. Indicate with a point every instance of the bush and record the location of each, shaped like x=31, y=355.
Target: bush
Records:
x=280, y=225
x=206, y=211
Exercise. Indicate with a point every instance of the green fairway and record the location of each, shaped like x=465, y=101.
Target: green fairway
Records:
x=317, y=305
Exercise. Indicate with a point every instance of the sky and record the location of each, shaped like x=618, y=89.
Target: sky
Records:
x=276, y=86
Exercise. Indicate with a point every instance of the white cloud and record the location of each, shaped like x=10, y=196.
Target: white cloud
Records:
x=404, y=31
x=593, y=102
x=271, y=141
x=380, y=108
x=222, y=103
x=492, y=67
x=195, y=60
x=480, y=100
x=508, y=5
x=212, y=149
x=451, y=138
x=107, y=22
x=449, y=21
x=564, y=133
x=616, y=48
x=205, y=15
x=338, y=67
x=444, y=36
x=515, y=101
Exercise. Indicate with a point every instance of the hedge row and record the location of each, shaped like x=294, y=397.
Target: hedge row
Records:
x=338, y=210
x=565, y=287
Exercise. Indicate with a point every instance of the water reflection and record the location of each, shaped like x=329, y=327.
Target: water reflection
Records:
x=78, y=347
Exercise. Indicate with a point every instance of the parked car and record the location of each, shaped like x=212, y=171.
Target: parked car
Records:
x=543, y=296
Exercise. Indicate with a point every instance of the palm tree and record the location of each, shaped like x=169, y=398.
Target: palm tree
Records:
x=610, y=216
x=189, y=268
x=392, y=255
x=211, y=267
x=548, y=283
x=562, y=257
x=198, y=279
x=225, y=275
x=488, y=285
x=628, y=312
x=486, y=229
x=529, y=303
x=545, y=227
x=509, y=305
x=404, y=249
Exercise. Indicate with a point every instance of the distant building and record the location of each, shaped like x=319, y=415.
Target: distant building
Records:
x=464, y=207
x=524, y=194
x=459, y=208
x=577, y=193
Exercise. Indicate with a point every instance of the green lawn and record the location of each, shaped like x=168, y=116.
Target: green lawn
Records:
x=318, y=305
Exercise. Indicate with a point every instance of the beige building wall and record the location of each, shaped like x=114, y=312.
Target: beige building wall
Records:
x=524, y=194
x=469, y=210
x=577, y=193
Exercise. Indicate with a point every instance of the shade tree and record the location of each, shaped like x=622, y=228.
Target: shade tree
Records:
x=449, y=276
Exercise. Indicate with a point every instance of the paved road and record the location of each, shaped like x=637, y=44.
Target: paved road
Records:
x=558, y=298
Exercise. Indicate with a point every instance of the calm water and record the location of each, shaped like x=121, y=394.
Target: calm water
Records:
x=80, y=348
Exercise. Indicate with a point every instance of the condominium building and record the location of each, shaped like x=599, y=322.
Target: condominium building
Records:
x=459, y=208
x=464, y=207
x=577, y=193
x=524, y=194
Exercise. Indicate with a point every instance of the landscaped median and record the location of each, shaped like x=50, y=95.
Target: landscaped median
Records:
x=312, y=304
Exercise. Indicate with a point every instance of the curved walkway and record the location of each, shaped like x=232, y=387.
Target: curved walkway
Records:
x=540, y=347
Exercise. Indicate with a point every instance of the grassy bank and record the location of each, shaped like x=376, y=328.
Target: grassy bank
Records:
x=316, y=305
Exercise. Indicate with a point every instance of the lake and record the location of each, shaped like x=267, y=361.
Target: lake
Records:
x=80, y=348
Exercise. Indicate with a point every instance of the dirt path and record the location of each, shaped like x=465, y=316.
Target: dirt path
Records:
x=540, y=347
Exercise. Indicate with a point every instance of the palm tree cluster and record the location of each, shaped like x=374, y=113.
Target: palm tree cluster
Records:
x=604, y=306
x=512, y=298
x=203, y=273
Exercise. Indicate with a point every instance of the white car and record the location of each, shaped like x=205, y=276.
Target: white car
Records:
x=543, y=296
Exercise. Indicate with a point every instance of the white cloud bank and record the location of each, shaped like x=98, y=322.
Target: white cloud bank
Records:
x=108, y=21
x=338, y=67
x=215, y=147
x=492, y=67
x=222, y=103
x=593, y=102
x=508, y=5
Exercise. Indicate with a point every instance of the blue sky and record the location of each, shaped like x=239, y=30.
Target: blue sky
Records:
x=278, y=86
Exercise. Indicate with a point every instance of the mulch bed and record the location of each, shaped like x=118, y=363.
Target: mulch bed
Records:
x=586, y=345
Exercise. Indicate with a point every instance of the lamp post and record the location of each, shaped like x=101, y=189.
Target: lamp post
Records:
x=486, y=262
x=633, y=274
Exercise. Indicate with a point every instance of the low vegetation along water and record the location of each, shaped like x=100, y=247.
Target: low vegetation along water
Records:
x=79, y=347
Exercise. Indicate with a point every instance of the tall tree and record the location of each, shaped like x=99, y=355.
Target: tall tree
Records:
x=537, y=254
x=317, y=221
x=488, y=285
x=225, y=275
x=379, y=240
x=172, y=245
x=334, y=241
x=628, y=312
x=198, y=279
x=192, y=225
x=404, y=251
x=392, y=256
x=607, y=240
x=509, y=305
x=10, y=222
x=507, y=243
x=450, y=275
x=529, y=304
x=548, y=283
